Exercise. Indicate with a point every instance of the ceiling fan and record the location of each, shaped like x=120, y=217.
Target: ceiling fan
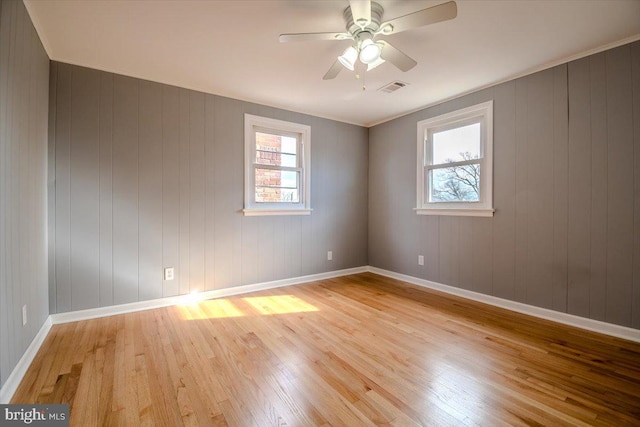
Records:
x=364, y=24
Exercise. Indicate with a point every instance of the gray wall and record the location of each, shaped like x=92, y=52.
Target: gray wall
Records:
x=566, y=232
x=149, y=176
x=24, y=77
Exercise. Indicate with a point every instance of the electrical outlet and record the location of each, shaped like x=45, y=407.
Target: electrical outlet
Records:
x=329, y=255
x=169, y=273
x=420, y=260
x=24, y=315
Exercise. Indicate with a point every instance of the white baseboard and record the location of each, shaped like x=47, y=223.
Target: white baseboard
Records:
x=11, y=385
x=556, y=316
x=92, y=313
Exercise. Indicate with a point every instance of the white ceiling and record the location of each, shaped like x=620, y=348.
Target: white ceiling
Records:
x=231, y=48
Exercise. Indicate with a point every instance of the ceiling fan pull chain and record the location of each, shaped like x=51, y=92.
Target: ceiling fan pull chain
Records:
x=364, y=81
x=358, y=74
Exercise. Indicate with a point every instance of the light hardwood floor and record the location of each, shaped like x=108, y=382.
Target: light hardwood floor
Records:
x=356, y=350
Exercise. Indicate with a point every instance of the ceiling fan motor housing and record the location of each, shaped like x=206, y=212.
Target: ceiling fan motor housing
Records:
x=355, y=29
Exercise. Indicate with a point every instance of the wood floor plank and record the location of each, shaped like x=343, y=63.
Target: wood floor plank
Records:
x=354, y=350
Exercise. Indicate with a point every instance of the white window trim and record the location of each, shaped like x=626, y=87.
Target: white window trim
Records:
x=484, y=207
x=251, y=208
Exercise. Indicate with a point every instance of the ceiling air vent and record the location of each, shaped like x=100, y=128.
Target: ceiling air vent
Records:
x=393, y=86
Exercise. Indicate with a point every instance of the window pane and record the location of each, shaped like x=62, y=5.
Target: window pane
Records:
x=289, y=179
x=277, y=150
x=289, y=144
x=276, y=186
x=455, y=184
x=277, y=195
x=455, y=145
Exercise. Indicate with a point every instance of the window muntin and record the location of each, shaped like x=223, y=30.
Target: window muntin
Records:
x=276, y=167
x=455, y=163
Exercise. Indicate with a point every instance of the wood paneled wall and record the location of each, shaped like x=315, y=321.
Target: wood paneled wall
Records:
x=149, y=176
x=566, y=231
x=24, y=77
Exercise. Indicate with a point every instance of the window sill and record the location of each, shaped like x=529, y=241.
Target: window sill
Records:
x=455, y=212
x=272, y=212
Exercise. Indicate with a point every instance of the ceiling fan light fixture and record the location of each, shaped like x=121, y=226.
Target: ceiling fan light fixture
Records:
x=375, y=63
x=348, y=58
x=369, y=52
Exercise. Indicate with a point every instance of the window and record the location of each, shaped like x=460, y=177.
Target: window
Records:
x=277, y=162
x=455, y=163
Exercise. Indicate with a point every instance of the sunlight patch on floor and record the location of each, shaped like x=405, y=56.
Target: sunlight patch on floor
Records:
x=217, y=308
x=280, y=304
x=225, y=308
x=210, y=309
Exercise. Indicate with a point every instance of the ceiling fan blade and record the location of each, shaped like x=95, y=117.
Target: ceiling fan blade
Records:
x=304, y=37
x=333, y=71
x=431, y=15
x=396, y=57
x=361, y=12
